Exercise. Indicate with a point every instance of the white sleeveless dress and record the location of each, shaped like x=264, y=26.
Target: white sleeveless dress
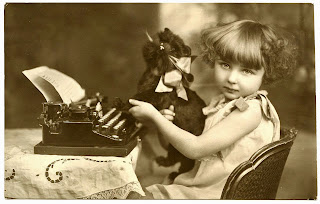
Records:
x=209, y=175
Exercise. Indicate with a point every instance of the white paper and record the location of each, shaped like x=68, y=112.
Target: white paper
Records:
x=54, y=85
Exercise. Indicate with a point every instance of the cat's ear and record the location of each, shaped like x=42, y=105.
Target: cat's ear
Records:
x=167, y=30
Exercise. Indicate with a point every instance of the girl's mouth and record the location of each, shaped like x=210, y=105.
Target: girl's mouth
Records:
x=230, y=90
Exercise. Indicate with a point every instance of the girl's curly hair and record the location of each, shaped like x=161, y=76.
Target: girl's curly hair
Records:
x=253, y=45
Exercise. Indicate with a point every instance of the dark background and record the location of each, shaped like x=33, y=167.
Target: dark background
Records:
x=99, y=45
x=96, y=44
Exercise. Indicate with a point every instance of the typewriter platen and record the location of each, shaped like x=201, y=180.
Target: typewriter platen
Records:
x=87, y=127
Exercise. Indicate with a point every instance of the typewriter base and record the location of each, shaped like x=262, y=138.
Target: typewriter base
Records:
x=86, y=151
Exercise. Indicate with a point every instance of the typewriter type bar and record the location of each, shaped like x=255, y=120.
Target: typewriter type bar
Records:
x=118, y=127
x=112, y=122
x=106, y=118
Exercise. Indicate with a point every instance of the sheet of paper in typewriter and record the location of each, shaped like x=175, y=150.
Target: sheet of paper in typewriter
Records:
x=54, y=85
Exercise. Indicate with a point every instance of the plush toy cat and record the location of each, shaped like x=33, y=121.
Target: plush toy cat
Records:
x=166, y=82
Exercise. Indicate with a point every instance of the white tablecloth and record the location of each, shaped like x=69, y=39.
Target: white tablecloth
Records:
x=29, y=175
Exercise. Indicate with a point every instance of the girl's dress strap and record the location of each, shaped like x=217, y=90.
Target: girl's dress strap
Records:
x=268, y=111
x=266, y=105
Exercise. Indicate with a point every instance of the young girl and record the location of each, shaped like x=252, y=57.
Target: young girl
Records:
x=243, y=56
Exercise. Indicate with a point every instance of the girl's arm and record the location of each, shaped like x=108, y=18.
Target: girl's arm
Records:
x=163, y=142
x=169, y=115
x=225, y=133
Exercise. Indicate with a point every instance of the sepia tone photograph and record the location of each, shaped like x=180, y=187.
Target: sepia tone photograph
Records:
x=160, y=100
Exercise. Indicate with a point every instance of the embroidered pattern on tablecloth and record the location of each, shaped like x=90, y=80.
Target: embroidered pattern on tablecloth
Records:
x=117, y=193
x=59, y=173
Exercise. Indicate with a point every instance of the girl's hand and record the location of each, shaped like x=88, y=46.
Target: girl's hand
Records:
x=143, y=111
x=168, y=113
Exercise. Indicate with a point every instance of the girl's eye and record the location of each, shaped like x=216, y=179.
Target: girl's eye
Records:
x=247, y=71
x=225, y=65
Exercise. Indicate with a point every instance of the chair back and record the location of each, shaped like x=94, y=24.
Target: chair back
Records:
x=259, y=177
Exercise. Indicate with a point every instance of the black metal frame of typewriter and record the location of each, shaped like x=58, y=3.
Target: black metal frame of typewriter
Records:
x=79, y=137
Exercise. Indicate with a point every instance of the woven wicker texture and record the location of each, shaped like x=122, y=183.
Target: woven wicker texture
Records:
x=262, y=183
x=259, y=177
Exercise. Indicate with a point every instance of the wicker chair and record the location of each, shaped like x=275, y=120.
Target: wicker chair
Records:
x=259, y=177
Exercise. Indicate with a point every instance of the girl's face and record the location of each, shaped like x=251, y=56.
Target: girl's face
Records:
x=235, y=81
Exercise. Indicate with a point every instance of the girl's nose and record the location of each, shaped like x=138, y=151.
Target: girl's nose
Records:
x=233, y=77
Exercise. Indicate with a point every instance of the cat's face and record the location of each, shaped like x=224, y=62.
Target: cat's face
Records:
x=157, y=52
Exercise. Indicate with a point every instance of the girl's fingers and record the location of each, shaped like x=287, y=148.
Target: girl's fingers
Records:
x=135, y=102
x=133, y=109
x=169, y=117
x=167, y=112
x=162, y=111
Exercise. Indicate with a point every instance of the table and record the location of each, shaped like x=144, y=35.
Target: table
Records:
x=34, y=176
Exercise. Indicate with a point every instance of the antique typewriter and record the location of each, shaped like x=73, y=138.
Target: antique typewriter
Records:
x=88, y=127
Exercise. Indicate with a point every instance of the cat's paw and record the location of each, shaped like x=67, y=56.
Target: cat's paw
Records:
x=163, y=161
x=173, y=175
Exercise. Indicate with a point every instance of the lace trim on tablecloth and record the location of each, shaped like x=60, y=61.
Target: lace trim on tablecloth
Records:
x=117, y=193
